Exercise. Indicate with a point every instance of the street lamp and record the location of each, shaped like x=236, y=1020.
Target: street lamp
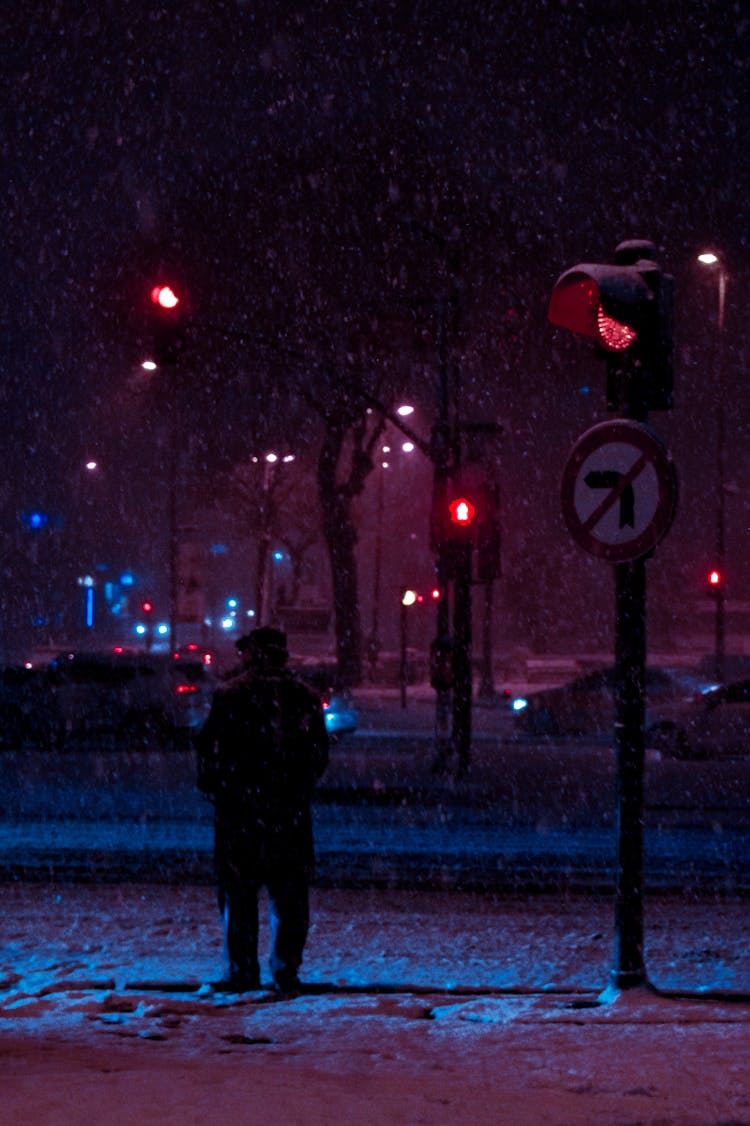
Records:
x=383, y=465
x=264, y=591
x=714, y=261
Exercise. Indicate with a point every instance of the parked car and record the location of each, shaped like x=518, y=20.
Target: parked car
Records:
x=715, y=723
x=339, y=710
x=586, y=705
x=137, y=696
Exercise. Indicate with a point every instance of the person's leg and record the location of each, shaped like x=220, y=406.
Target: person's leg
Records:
x=239, y=910
x=238, y=905
x=290, y=919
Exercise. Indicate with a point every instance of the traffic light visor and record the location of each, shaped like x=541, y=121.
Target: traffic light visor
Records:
x=600, y=302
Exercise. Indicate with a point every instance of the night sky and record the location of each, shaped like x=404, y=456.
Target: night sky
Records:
x=300, y=166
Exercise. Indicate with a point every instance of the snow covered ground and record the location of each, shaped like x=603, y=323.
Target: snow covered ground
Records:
x=434, y=1008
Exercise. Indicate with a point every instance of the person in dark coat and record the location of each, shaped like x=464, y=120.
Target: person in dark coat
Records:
x=260, y=753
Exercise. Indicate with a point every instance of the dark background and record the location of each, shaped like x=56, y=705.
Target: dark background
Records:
x=299, y=165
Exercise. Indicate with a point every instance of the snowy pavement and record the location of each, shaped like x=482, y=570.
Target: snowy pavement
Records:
x=432, y=1007
x=395, y=846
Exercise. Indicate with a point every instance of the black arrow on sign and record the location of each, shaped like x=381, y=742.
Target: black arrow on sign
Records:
x=610, y=479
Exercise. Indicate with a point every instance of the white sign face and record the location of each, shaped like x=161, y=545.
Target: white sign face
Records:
x=619, y=491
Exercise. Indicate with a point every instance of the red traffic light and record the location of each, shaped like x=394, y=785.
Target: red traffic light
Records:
x=586, y=298
x=147, y=606
x=714, y=578
x=462, y=512
x=626, y=309
x=165, y=297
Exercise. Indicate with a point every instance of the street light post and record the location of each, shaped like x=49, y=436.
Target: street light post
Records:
x=713, y=261
x=264, y=588
x=384, y=467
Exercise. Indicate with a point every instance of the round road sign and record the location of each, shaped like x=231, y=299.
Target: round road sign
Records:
x=619, y=490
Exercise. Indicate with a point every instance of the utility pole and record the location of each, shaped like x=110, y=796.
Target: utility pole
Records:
x=619, y=499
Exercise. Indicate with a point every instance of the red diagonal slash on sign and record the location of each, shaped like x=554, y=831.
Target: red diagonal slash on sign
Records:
x=613, y=497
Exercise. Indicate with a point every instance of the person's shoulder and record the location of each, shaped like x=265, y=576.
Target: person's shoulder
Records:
x=234, y=685
x=304, y=690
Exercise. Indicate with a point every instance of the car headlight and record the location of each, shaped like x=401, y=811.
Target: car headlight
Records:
x=519, y=704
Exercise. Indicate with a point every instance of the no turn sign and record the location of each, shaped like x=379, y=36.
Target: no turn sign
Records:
x=619, y=490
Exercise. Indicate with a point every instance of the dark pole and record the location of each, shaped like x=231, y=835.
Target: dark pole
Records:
x=264, y=543
x=630, y=675
x=402, y=663
x=721, y=481
x=720, y=621
x=441, y=454
x=462, y=683
x=630, y=711
x=374, y=644
x=487, y=682
x=462, y=687
x=174, y=547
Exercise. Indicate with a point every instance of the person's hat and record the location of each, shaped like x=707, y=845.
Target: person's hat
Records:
x=270, y=640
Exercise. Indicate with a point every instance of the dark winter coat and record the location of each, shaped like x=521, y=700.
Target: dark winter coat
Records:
x=262, y=749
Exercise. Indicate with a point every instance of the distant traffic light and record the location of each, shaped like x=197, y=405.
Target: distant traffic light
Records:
x=462, y=512
x=626, y=309
x=465, y=515
x=166, y=324
x=165, y=297
x=714, y=581
x=147, y=606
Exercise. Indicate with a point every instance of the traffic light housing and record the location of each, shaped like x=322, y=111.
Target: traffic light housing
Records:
x=465, y=516
x=627, y=310
x=166, y=323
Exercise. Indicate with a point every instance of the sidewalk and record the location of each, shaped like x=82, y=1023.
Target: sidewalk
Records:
x=391, y=847
x=438, y=1008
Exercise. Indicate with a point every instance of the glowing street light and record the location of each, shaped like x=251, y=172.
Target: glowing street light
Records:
x=715, y=262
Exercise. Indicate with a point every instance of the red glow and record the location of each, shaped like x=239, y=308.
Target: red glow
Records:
x=714, y=578
x=462, y=511
x=147, y=607
x=435, y=594
x=164, y=296
x=614, y=336
x=186, y=689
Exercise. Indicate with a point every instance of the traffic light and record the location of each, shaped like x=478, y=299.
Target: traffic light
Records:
x=166, y=323
x=465, y=515
x=462, y=512
x=714, y=581
x=453, y=531
x=626, y=309
x=147, y=607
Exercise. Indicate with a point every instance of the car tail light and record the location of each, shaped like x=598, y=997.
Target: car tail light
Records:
x=186, y=689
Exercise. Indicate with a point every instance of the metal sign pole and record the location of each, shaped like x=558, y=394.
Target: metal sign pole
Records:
x=630, y=675
x=619, y=498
